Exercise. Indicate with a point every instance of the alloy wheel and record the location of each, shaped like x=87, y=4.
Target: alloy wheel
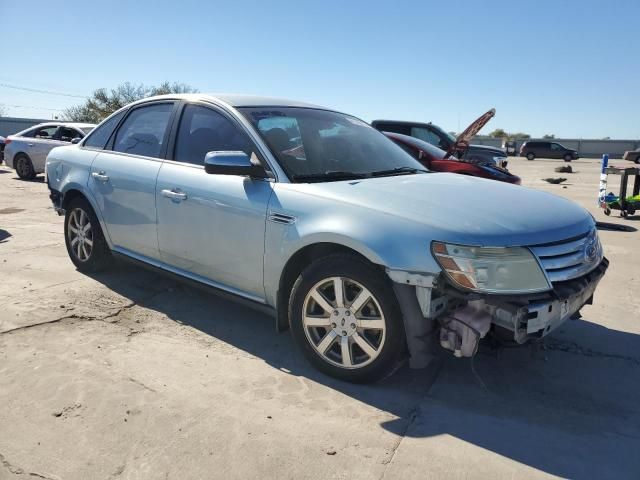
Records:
x=80, y=234
x=343, y=322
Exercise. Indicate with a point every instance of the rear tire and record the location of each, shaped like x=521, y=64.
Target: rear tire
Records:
x=24, y=167
x=357, y=336
x=83, y=236
x=530, y=156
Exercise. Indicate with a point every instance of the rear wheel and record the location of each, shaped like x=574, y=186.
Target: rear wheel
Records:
x=530, y=156
x=346, y=319
x=24, y=167
x=85, y=242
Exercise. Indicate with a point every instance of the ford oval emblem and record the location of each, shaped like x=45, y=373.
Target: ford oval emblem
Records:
x=591, y=247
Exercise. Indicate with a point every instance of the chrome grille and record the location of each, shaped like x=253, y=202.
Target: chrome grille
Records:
x=571, y=258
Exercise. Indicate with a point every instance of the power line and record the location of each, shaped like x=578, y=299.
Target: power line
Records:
x=36, y=90
x=34, y=108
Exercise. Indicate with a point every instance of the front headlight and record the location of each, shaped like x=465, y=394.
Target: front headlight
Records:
x=491, y=269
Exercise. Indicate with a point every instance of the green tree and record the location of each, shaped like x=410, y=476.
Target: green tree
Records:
x=498, y=133
x=103, y=102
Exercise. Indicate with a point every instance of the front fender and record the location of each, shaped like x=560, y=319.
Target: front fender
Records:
x=386, y=240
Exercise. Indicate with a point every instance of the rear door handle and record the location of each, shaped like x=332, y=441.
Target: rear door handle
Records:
x=30, y=144
x=174, y=194
x=100, y=176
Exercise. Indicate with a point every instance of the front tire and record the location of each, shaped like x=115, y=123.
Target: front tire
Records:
x=346, y=319
x=530, y=156
x=24, y=167
x=85, y=242
x=568, y=157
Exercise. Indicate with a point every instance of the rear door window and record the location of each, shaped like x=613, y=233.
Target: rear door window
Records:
x=144, y=130
x=428, y=136
x=394, y=128
x=45, y=133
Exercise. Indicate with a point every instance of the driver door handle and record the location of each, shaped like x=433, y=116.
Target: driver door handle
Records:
x=100, y=176
x=174, y=194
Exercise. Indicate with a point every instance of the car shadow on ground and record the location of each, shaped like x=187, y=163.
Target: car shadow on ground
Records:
x=569, y=408
x=4, y=235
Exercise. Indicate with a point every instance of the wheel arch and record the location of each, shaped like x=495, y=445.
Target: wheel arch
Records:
x=296, y=263
x=74, y=190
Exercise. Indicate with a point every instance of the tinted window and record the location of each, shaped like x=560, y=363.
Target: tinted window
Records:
x=143, y=131
x=45, y=133
x=204, y=130
x=429, y=137
x=394, y=128
x=101, y=134
x=67, y=134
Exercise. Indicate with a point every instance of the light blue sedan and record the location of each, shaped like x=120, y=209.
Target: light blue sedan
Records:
x=320, y=219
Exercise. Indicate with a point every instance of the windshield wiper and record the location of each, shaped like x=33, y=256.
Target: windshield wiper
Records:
x=398, y=171
x=328, y=175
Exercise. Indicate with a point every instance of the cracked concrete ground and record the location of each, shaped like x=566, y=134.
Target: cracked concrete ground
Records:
x=128, y=374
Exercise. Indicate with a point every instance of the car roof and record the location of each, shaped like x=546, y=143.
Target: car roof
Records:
x=65, y=124
x=401, y=122
x=235, y=100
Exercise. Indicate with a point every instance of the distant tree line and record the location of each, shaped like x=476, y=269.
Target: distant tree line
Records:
x=500, y=133
x=103, y=102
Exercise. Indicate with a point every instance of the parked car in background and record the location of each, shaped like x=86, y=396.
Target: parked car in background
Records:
x=459, y=146
x=436, y=159
x=323, y=221
x=632, y=156
x=26, y=151
x=544, y=149
x=1, y=149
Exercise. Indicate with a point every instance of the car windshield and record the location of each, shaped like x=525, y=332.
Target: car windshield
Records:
x=318, y=145
x=86, y=129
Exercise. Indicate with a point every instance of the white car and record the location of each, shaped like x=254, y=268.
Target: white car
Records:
x=27, y=151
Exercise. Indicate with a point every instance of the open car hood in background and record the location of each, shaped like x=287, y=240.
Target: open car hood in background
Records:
x=464, y=139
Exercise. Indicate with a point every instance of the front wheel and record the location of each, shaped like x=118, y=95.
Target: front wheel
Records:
x=568, y=157
x=530, y=156
x=85, y=242
x=346, y=319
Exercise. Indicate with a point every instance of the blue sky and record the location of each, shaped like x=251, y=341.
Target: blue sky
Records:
x=571, y=68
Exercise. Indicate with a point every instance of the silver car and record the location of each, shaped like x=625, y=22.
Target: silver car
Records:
x=26, y=151
x=319, y=219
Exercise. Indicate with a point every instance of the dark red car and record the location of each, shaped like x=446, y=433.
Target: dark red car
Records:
x=440, y=161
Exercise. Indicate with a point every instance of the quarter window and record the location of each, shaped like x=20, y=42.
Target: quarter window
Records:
x=204, y=130
x=143, y=131
x=100, y=135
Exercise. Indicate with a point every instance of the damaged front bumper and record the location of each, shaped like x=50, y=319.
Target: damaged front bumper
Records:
x=465, y=317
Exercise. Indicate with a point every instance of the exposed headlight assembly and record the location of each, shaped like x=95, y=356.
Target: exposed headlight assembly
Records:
x=491, y=269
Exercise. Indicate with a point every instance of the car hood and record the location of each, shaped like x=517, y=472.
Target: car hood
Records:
x=464, y=139
x=459, y=208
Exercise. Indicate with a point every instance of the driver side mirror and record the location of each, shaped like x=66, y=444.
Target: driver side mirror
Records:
x=232, y=163
x=75, y=140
